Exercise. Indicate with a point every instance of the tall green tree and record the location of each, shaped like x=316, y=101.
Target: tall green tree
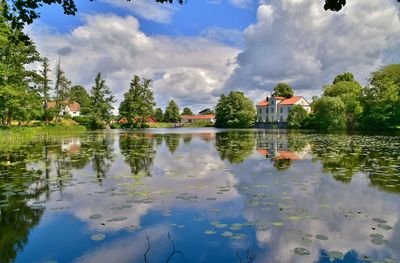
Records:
x=44, y=87
x=349, y=91
x=296, y=117
x=16, y=81
x=346, y=76
x=382, y=99
x=101, y=101
x=79, y=94
x=172, y=112
x=187, y=111
x=234, y=111
x=138, y=103
x=283, y=90
x=62, y=88
x=330, y=113
x=158, y=115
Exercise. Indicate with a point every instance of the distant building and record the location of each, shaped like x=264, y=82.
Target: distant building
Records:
x=150, y=120
x=198, y=118
x=276, y=109
x=207, y=111
x=72, y=108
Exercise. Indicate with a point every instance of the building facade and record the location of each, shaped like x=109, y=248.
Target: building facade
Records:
x=72, y=108
x=276, y=109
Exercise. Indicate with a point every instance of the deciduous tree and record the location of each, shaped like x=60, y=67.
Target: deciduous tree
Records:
x=172, y=112
x=234, y=111
x=138, y=103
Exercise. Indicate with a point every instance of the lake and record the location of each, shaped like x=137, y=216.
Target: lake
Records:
x=201, y=195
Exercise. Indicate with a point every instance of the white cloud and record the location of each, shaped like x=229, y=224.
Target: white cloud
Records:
x=298, y=42
x=191, y=70
x=241, y=3
x=161, y=13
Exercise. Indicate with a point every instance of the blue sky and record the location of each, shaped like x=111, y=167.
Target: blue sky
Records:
x=189, y=19
x=195, y=52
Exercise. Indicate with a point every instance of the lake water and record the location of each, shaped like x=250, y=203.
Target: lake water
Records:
x=201, y=195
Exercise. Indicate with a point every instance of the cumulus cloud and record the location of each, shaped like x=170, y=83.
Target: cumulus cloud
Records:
x=191, y=70
x=298, y=42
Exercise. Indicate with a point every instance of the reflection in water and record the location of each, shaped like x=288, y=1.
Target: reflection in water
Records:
x=214, y=196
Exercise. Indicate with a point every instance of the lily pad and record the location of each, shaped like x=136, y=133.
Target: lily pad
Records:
x=335, y=254
x=380, y=221
x=321, y=237
x=301, y=251
x=385, y=227
x=95, y=216
x=98, y=237
x=210, y=232
x=227, y=234
x=117, y=219
x=277, y=223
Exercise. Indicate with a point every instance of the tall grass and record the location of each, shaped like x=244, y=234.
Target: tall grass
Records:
x=19, y=134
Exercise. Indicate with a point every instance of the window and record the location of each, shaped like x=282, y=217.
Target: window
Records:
x=281, y=118
x=272, y=110
x=281, y=110
x=259, y=111
x=266, y=110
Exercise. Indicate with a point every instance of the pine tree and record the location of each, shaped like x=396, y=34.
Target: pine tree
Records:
x=61, y=88
x=138, y=103
x=44, y=87
x=101, y=100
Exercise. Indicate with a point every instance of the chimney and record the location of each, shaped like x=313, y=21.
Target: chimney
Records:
x=267, y=99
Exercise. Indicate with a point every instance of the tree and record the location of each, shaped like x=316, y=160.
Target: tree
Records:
x=347, y=76
x=350, y=93
x=382, y=99
x=138, y=103
x=283, y=90
x=158, y=115
x=330, y=113
x=15, y=80
x=79, y=94
x=234, y=111
x=45, y=87
x=172, y=112
x=296, y=117
x=187, y=111
x=101, y=102
x=61, y=88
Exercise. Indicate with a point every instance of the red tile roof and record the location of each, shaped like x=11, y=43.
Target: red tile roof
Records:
x=263, y=103
x=291, y=100
x=263, y=151
x=287, y=155
x=198, y=117
x=284, y=101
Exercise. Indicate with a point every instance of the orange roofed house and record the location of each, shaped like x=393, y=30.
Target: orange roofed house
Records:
x=72, y=108
x=276, y=109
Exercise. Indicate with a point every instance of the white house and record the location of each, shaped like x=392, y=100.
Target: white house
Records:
x=276, y=109
x=72, y=108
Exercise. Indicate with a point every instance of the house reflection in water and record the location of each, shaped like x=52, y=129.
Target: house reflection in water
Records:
x=72, y=145
x=282, y=149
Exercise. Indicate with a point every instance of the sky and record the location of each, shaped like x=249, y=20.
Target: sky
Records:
x=197, y=51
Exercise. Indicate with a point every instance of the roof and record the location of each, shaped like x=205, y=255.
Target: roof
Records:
x=263, y=103
x=198, y=117
x=287, y=155
x=73, y=105
x=289, y=101
x=263, y=151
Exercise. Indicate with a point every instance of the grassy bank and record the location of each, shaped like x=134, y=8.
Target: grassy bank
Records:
x=19, y=134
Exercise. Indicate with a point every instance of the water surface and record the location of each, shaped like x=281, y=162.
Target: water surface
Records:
x=201, y=195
